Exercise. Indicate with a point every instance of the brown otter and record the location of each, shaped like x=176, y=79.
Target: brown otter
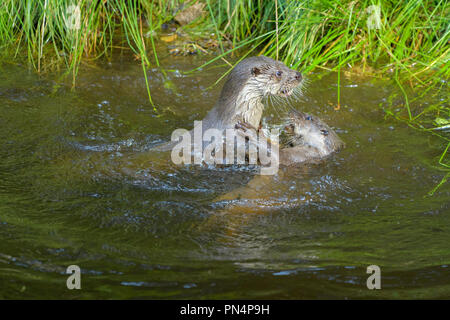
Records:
x=251, y=80
x=307, y=140
x=241, y=98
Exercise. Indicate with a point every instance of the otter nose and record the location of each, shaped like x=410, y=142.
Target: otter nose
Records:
x=298, y=76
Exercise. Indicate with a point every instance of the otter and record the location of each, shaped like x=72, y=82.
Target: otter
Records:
x=307, y=140
x=304, y=139
x=240, y=100
x=251, y=80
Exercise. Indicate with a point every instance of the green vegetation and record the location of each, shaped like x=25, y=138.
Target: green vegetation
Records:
x=409, y=36
x=407, y=41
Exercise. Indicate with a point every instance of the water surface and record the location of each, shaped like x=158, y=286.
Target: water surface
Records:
x=162, y=233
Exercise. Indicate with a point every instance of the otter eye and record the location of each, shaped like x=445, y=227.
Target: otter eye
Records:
x=324, y=132
x=278, y=73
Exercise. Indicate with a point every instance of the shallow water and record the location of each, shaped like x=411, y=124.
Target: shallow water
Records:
x=162, y=233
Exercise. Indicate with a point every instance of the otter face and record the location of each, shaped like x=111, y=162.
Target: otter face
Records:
x=274, y=78
x=248, y=83
x=304, y=129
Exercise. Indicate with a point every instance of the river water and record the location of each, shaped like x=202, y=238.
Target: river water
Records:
x=169, y=232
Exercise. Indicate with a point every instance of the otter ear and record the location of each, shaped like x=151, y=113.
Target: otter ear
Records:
x=255, y=71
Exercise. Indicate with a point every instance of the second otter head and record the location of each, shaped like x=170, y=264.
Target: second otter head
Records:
x=307, y=130
x=266, y=76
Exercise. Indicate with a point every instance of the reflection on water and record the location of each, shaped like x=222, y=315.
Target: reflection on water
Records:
x=66, y=196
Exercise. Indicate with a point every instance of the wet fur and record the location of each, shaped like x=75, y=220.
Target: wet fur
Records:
x=308, y=139
x=248, y=83
x=241, y=97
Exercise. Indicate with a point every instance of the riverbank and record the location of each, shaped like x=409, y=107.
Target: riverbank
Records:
x=402, y=42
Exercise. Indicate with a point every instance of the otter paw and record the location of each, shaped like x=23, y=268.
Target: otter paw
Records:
x=244, y=126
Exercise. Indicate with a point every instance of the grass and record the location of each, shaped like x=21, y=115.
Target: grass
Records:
x=406, y=41
x=408, y=36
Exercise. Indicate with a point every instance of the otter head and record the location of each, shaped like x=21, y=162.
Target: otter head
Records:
x=248, y=83
x=262, y=76
x=308, y=130
x=273, y=77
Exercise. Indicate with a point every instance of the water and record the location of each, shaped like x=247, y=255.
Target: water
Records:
x=169, y=232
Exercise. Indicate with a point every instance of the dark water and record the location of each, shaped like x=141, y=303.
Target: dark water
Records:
x=162, y=233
